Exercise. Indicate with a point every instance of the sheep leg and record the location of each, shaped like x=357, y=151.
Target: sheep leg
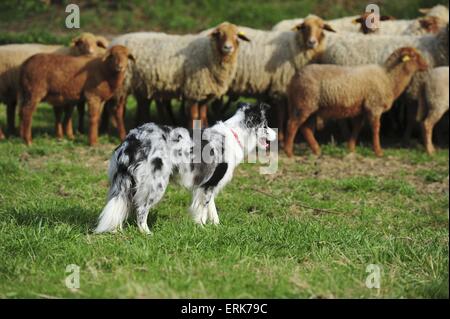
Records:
x=375, y=124
x=11, y=116
x=160, y=108
x=194, y=114
x=182, y=112
x=26, y=114
x=292, y=128
x=81, y=111
x=94, y=106
x=119, y=113
x=357, y=124
x=143, y=110
x=308, y=134
x=204, y=115
x=231, y=100
x=427, y=128
x=58, y=122
x=105, y=116
x=410, y=122
x=68, y=129
x=281, y=118
x=169, y=107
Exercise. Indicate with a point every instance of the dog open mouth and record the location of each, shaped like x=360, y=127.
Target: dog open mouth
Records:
x=263, y=143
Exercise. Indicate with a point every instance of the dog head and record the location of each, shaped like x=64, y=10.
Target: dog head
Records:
x=254, y=120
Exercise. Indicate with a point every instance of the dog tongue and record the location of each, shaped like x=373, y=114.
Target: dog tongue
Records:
x=264, y=143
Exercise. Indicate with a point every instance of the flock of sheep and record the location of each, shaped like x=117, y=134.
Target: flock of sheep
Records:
x=278, y=66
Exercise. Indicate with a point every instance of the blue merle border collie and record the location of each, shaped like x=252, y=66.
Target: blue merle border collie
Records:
x=142, y=165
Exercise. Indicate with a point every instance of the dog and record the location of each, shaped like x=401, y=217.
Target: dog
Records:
x=203, y=161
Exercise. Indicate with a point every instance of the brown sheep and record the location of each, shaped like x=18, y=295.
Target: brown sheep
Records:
x=337, y=92
x=65, y=80
x=13, y=55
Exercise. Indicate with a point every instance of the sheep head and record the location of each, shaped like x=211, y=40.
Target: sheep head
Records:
x=226, y=37
x=116, y=58
x=370, y=22
x=431, y=24
x=311, y=31
x=408, y=58
x=89, y=44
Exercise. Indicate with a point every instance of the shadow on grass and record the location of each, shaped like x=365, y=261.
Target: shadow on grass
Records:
x=82, y=219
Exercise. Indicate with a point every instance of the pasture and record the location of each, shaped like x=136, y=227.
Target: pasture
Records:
x=308, y=231
x=339, y=225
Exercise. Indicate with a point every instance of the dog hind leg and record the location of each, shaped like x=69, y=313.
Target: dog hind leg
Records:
x=212, y=211
x=147, y=195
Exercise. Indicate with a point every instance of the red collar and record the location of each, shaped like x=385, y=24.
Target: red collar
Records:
x=236, y=137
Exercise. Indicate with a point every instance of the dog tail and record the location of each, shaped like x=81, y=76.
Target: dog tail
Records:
x=119, y=201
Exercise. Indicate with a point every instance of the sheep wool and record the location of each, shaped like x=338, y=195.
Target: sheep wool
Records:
x=175, y=66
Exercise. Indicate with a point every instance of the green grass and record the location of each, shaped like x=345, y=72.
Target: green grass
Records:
x=310, y=230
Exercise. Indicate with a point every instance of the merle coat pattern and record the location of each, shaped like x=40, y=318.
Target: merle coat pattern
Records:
x=142, y=165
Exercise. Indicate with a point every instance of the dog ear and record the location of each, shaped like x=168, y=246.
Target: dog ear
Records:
x=241, y=105
x=264, y=107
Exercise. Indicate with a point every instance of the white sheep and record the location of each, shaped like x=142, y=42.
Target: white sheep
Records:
x=357, y=49
x=433, y=102
x=439, y=11
x=267, y=64
x=197, y=68
x=345, y=24
x=386, y=25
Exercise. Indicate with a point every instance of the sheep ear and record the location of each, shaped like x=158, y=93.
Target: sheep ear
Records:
x=242, y=36
x=297, y=27
x=424, y=10
x=131, y=57
x=75, y=42
x=386, y=18
x=106, y=55
x=358, y=20
x=214, y=33
x=101, y=44
x=327, y=27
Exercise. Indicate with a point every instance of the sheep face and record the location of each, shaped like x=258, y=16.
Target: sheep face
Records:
x=89, y=44
x=431, y=24
x=374, y=20
x=311, y=31
x=117, y=58
x=409, y=58
x=226, y=37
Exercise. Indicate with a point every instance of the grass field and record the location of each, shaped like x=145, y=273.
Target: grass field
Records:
x=310, y=230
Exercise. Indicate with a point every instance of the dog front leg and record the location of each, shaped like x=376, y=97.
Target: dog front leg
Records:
x=199, y=207
x=212, y=212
